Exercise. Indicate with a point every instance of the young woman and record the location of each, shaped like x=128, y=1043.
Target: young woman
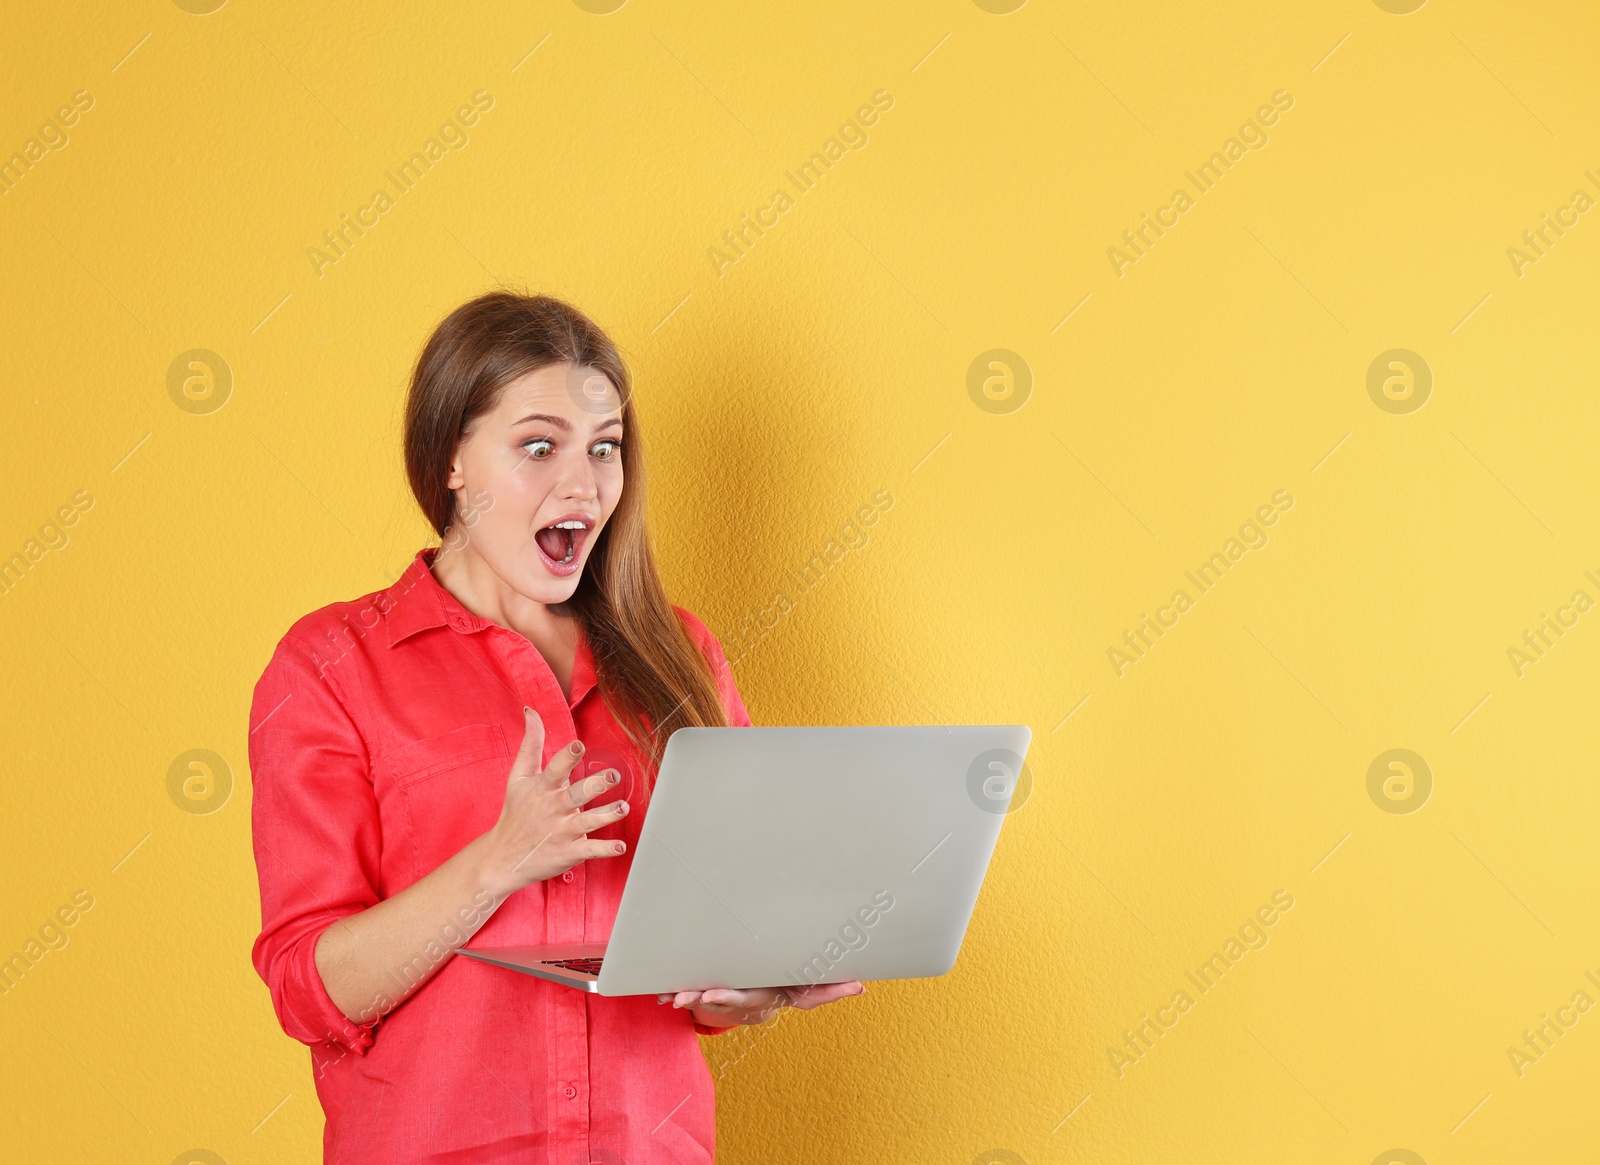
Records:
x=470, y=750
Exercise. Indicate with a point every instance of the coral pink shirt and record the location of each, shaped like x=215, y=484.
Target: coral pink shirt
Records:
x=381, y=734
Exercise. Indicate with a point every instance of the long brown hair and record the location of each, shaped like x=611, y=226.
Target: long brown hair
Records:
x=651, y=674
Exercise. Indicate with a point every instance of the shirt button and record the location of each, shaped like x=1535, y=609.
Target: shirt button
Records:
x=570, y=1092
x=567, y=877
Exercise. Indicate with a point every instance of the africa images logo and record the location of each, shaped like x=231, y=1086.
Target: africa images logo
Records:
x=999, y=381
x=199, y=781
x=1399, y=781
x=199, y=381
x=1399, y=381
x=999, y=781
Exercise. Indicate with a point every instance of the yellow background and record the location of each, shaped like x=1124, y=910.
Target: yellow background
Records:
x=1229, y=763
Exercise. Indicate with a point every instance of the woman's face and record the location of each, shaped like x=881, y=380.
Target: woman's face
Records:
x=537, y=478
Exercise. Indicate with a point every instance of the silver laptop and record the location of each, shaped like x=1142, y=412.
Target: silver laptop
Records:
x=778, y=856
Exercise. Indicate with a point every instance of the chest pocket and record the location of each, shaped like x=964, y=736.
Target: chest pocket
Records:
x=451, y=787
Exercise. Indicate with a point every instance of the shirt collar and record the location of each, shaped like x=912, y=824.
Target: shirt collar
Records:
x=418, y=602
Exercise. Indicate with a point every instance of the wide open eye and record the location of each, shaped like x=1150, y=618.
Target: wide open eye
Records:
x=539, y=448
x=606, y=450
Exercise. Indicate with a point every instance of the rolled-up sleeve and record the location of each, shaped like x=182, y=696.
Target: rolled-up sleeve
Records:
x=317, y=843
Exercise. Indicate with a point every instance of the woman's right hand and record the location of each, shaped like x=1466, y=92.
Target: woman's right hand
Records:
x=543, y=827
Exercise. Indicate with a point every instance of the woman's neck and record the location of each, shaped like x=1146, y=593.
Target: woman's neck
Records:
x=474, y=584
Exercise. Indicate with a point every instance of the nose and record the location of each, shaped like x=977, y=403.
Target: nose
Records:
x=577, y=478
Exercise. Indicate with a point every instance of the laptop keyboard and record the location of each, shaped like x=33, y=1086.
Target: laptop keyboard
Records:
x=587, y=966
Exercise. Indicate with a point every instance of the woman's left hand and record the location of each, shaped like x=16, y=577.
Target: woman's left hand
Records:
x=726, y=1006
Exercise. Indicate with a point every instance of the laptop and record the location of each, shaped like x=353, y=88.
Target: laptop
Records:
x=772, y=857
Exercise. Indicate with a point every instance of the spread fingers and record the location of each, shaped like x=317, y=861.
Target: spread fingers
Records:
x=603, y=816
x=559, y=770
x=526, y=762
x=592, y=786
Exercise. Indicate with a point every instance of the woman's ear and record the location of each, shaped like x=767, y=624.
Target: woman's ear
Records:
x=455, y=479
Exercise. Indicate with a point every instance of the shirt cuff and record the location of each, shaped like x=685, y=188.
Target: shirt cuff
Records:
x=307, y=999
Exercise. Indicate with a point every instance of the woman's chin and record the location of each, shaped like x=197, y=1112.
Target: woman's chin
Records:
x=550, y=586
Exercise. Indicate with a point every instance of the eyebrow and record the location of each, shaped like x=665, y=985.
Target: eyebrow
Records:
x=561, y=422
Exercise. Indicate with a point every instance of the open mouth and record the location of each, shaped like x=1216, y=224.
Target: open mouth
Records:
x=561, y=543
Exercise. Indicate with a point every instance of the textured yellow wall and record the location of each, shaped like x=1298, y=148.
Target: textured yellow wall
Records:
x=1145, y=406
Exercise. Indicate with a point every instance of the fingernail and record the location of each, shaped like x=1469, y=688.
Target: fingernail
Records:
x=612, y=776
x=577, y=748
x=527, y=711
x=622, y=807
